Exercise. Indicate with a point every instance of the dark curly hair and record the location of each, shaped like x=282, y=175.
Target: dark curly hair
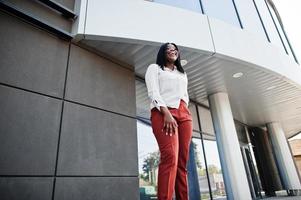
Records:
x=161, y=57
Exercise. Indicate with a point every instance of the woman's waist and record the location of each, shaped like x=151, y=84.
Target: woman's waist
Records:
x=173, y=105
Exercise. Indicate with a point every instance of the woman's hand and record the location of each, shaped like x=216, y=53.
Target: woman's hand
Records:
x=170, y=124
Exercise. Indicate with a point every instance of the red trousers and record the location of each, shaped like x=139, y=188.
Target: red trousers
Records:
x=174, y=151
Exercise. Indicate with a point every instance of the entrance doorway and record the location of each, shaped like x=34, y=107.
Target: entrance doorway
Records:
x=251, y=171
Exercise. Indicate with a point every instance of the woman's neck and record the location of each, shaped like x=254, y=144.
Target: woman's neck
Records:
x=170, y=65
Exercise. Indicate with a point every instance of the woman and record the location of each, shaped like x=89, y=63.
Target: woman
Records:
x=171, y=120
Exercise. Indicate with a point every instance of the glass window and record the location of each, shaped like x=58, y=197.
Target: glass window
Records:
x=192, y=108
x=196, y=128
x=249, y=17
x=206, y=121
x=142, y=100
x=193, y=5
x=201, y=168
x=215, y=170
x=241, y=133
x=148, y=160
x=223, y=10
x=268, y=23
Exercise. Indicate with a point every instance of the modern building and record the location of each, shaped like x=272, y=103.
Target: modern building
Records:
x=74, y=120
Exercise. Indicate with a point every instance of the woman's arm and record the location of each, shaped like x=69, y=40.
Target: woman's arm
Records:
x=152, y=84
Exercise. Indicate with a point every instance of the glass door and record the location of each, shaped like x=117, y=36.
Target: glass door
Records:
x=251, y=171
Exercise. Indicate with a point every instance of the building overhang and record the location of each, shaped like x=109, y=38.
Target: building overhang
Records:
x=268, y=91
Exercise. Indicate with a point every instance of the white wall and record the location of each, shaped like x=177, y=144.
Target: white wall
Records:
x=147, y=22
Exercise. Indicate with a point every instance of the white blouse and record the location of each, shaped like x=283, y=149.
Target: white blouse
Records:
x=166, y=87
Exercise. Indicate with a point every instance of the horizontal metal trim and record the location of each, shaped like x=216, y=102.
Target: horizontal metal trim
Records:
x=66, y=100
x=35, y=21
x=60, y=8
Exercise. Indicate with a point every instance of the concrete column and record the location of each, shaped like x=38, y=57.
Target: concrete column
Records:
x=285, y=163
x=234, y=173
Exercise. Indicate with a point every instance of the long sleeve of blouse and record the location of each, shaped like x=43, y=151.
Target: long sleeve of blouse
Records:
x=152, y=84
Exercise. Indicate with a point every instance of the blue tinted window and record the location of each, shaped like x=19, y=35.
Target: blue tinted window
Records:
x=223, y=10
x=193, y=5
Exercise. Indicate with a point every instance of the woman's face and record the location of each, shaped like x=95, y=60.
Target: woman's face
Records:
x=171, y=53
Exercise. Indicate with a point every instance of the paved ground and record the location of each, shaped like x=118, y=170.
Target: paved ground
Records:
x=284, y=198
x=271, y=198
x=282, y=195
